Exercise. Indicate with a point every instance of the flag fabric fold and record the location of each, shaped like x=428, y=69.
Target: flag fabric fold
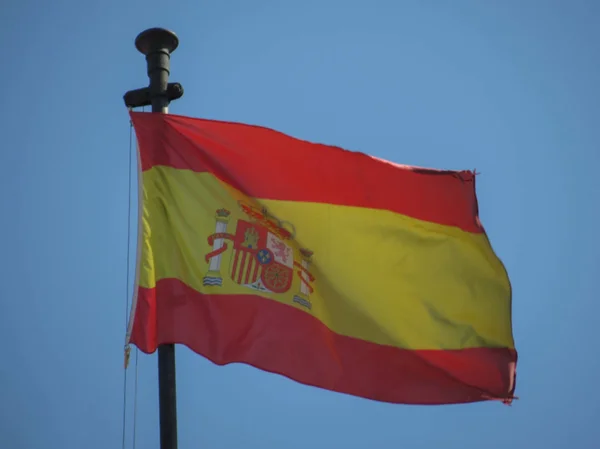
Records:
x=333, y=268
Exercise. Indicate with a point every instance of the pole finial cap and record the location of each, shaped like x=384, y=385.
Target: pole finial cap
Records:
x=154, y=39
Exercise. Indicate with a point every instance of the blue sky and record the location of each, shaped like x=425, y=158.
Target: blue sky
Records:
x=507, y=87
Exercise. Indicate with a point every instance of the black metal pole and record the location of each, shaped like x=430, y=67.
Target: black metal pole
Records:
x=157, y=44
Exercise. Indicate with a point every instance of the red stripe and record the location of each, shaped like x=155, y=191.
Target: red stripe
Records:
x=281, y=339
x=263, y=163
x=255, y=271
x=242, y=265
x=236, y=260
x=249, y=270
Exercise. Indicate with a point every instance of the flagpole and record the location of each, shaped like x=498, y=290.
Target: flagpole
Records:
x=157, y=44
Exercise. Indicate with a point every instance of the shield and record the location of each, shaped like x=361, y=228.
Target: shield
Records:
x=260, y=259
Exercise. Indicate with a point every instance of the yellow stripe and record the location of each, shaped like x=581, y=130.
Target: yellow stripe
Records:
x=379, y=276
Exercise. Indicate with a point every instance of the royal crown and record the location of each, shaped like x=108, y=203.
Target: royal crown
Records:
x=263, y=218
x=223, y=213
x=306, y=252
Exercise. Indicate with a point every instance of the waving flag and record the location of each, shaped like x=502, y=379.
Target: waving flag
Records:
x=330, y=267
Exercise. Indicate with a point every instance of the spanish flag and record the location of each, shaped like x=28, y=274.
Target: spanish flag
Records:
x=333, y=268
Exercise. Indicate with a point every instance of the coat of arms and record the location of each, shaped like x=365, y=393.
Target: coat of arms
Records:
x=263, y=256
